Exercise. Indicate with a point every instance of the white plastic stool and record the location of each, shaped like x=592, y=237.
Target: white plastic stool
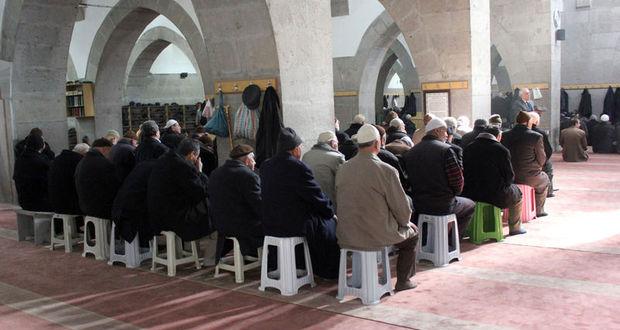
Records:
x=437, y=249
x=170, y=260
x=69, y=236
x=238, y=265
x=365, y=282
x=100, y=247
x=132, y=256
x=33, y=224
x=288, y=279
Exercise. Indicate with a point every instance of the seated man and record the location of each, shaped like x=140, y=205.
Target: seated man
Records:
x=489, y=177
x=528, y=157
x=324, y=159
x=358, y=121
x=30, y=175
x=604, y=136
x=113, y=136
x=294, y=205
x=396, y=131
x=150, y=147
x=548, y=167
x=391, y=159
x=123, y=155
x=436, y=177
x=172, y=134
x=21, y=145
x=177, y=193
x=375, y=212
x=236, y=204
x=574, y=143
x=61, y=185
x=479, y=126
x=96, y=182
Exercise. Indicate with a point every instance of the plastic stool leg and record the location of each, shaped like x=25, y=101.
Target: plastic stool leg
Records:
x=171, y=255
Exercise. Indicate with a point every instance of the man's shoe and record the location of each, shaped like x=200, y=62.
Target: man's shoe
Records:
x=518, y=232
x=556, y=189
x=402, y=286
x=540, y=215
x=550, y=195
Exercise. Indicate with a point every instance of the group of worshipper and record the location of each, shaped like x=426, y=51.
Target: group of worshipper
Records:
x=578, y=133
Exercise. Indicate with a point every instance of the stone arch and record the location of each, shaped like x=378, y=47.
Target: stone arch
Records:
x=71, y=71
x=11, y=13
x=111, y=49
x=499, y=71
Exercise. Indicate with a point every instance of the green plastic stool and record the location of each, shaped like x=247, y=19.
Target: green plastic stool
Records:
x=486, y=223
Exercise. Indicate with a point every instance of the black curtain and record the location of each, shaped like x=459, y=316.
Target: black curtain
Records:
x=585, y=105
x=269, y=125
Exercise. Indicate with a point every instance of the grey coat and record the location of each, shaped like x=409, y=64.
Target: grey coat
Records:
x=324, y=162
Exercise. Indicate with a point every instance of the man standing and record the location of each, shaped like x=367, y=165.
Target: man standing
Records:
x=436, y=177
x=96, y=182
x=528, y=157
x=324, y=160
x=293, y=204
x=548, y=167
x=521, y=103
x=150, y=147
x=489, y=177
x=574, y=143
x=236, y=204
x=374, y=212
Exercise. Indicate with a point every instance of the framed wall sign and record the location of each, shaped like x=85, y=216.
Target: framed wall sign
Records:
x=437, y=103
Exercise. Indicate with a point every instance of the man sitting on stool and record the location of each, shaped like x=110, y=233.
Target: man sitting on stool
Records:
x=374, y=212
x=236, y=202
x=489, y=177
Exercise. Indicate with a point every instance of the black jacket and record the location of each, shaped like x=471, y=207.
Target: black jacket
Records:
x=488, y=173
x=130, y=210
x=269, y=125
x=30, y=175
x=470, y=137
x=585, y=104
x=123, y=157
x=390, y=159
x=171, y=139
x=96, y=184
x=353, y=128
x=546, y=143
x=426, y=170
x=393, y=134
x=348, y=149
x=603, y=138
x=61, y=188
x=291, y=197
x=20, y=147
x=236, y=207
x=208, y=158
x=149, y=149
x=176, y=198
x=591, y=123
x=609, y=104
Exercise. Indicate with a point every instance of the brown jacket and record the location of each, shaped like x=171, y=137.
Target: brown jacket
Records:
x=574, y=145
x=373, y=210
x=527, y=151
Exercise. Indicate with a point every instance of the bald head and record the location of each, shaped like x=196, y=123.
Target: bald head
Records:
x=535, y=119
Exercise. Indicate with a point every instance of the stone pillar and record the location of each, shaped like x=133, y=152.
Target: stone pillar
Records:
x=7, y=159
x=40, y=67
x=556, y=73
x=302, y=31
x=480, y=59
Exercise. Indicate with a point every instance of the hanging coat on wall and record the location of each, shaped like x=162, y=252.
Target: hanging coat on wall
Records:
x=385, y=102
x=617, y=108
x=269, y=125
x=609, y=104
x=585, y=105
x=411, y=107
x=563, y=101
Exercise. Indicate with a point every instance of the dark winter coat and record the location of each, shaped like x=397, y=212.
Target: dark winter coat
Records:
x=208, y=159
x=564, y=101
x=130, y=210
x=348, y=149
x=96, y=184
x=291, y=197
x=609, y=104
x=603, y=138
x=470, y=137
x=20, y=147
x=591, y=123
x=176, y=198
x=527, y=151
x=236, y=204
x=546, y=143
x=123, y=157
x=30, y=175
x=150, y=149
x=61, y=184
x=171, y=139
x=585, y=105
x=616, y=116
x=269, y=125
x=353, y=128
x=390, y=159
x=488, y=173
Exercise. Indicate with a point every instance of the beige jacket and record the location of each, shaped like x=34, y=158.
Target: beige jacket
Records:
x=373, y=210
x=574, y=145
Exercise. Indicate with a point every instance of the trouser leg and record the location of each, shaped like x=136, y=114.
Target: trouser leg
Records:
x=540, y=183
x=463, y=209
x=548, y=168
x=514, y=218
x=405, y=264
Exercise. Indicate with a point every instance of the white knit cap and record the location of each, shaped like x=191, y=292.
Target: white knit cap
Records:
x=604, y=118
x=396, y=122
x=170, y=123
x=435, y=123
x=326, y=137
x=367, y=133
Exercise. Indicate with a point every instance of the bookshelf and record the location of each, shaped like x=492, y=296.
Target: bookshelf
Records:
x=80, y=100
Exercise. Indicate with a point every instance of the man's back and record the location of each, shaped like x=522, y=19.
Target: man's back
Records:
x=526, y=150
x=574, y=144
x=96, y=184
x=150, y=149
x=61, y=188
x=373, y=210
x=603, y=137
x=30, y=175
x=123, y=157
x=324, y=163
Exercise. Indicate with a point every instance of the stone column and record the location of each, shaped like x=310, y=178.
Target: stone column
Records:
x=302, y=31
x=7, y=159
x=480, y=59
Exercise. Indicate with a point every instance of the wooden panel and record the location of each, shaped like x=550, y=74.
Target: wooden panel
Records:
x=531, y=86
x=89, y=105
x=345, y=93
x=590, y=86
x=237, y=86
x=445, y=85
